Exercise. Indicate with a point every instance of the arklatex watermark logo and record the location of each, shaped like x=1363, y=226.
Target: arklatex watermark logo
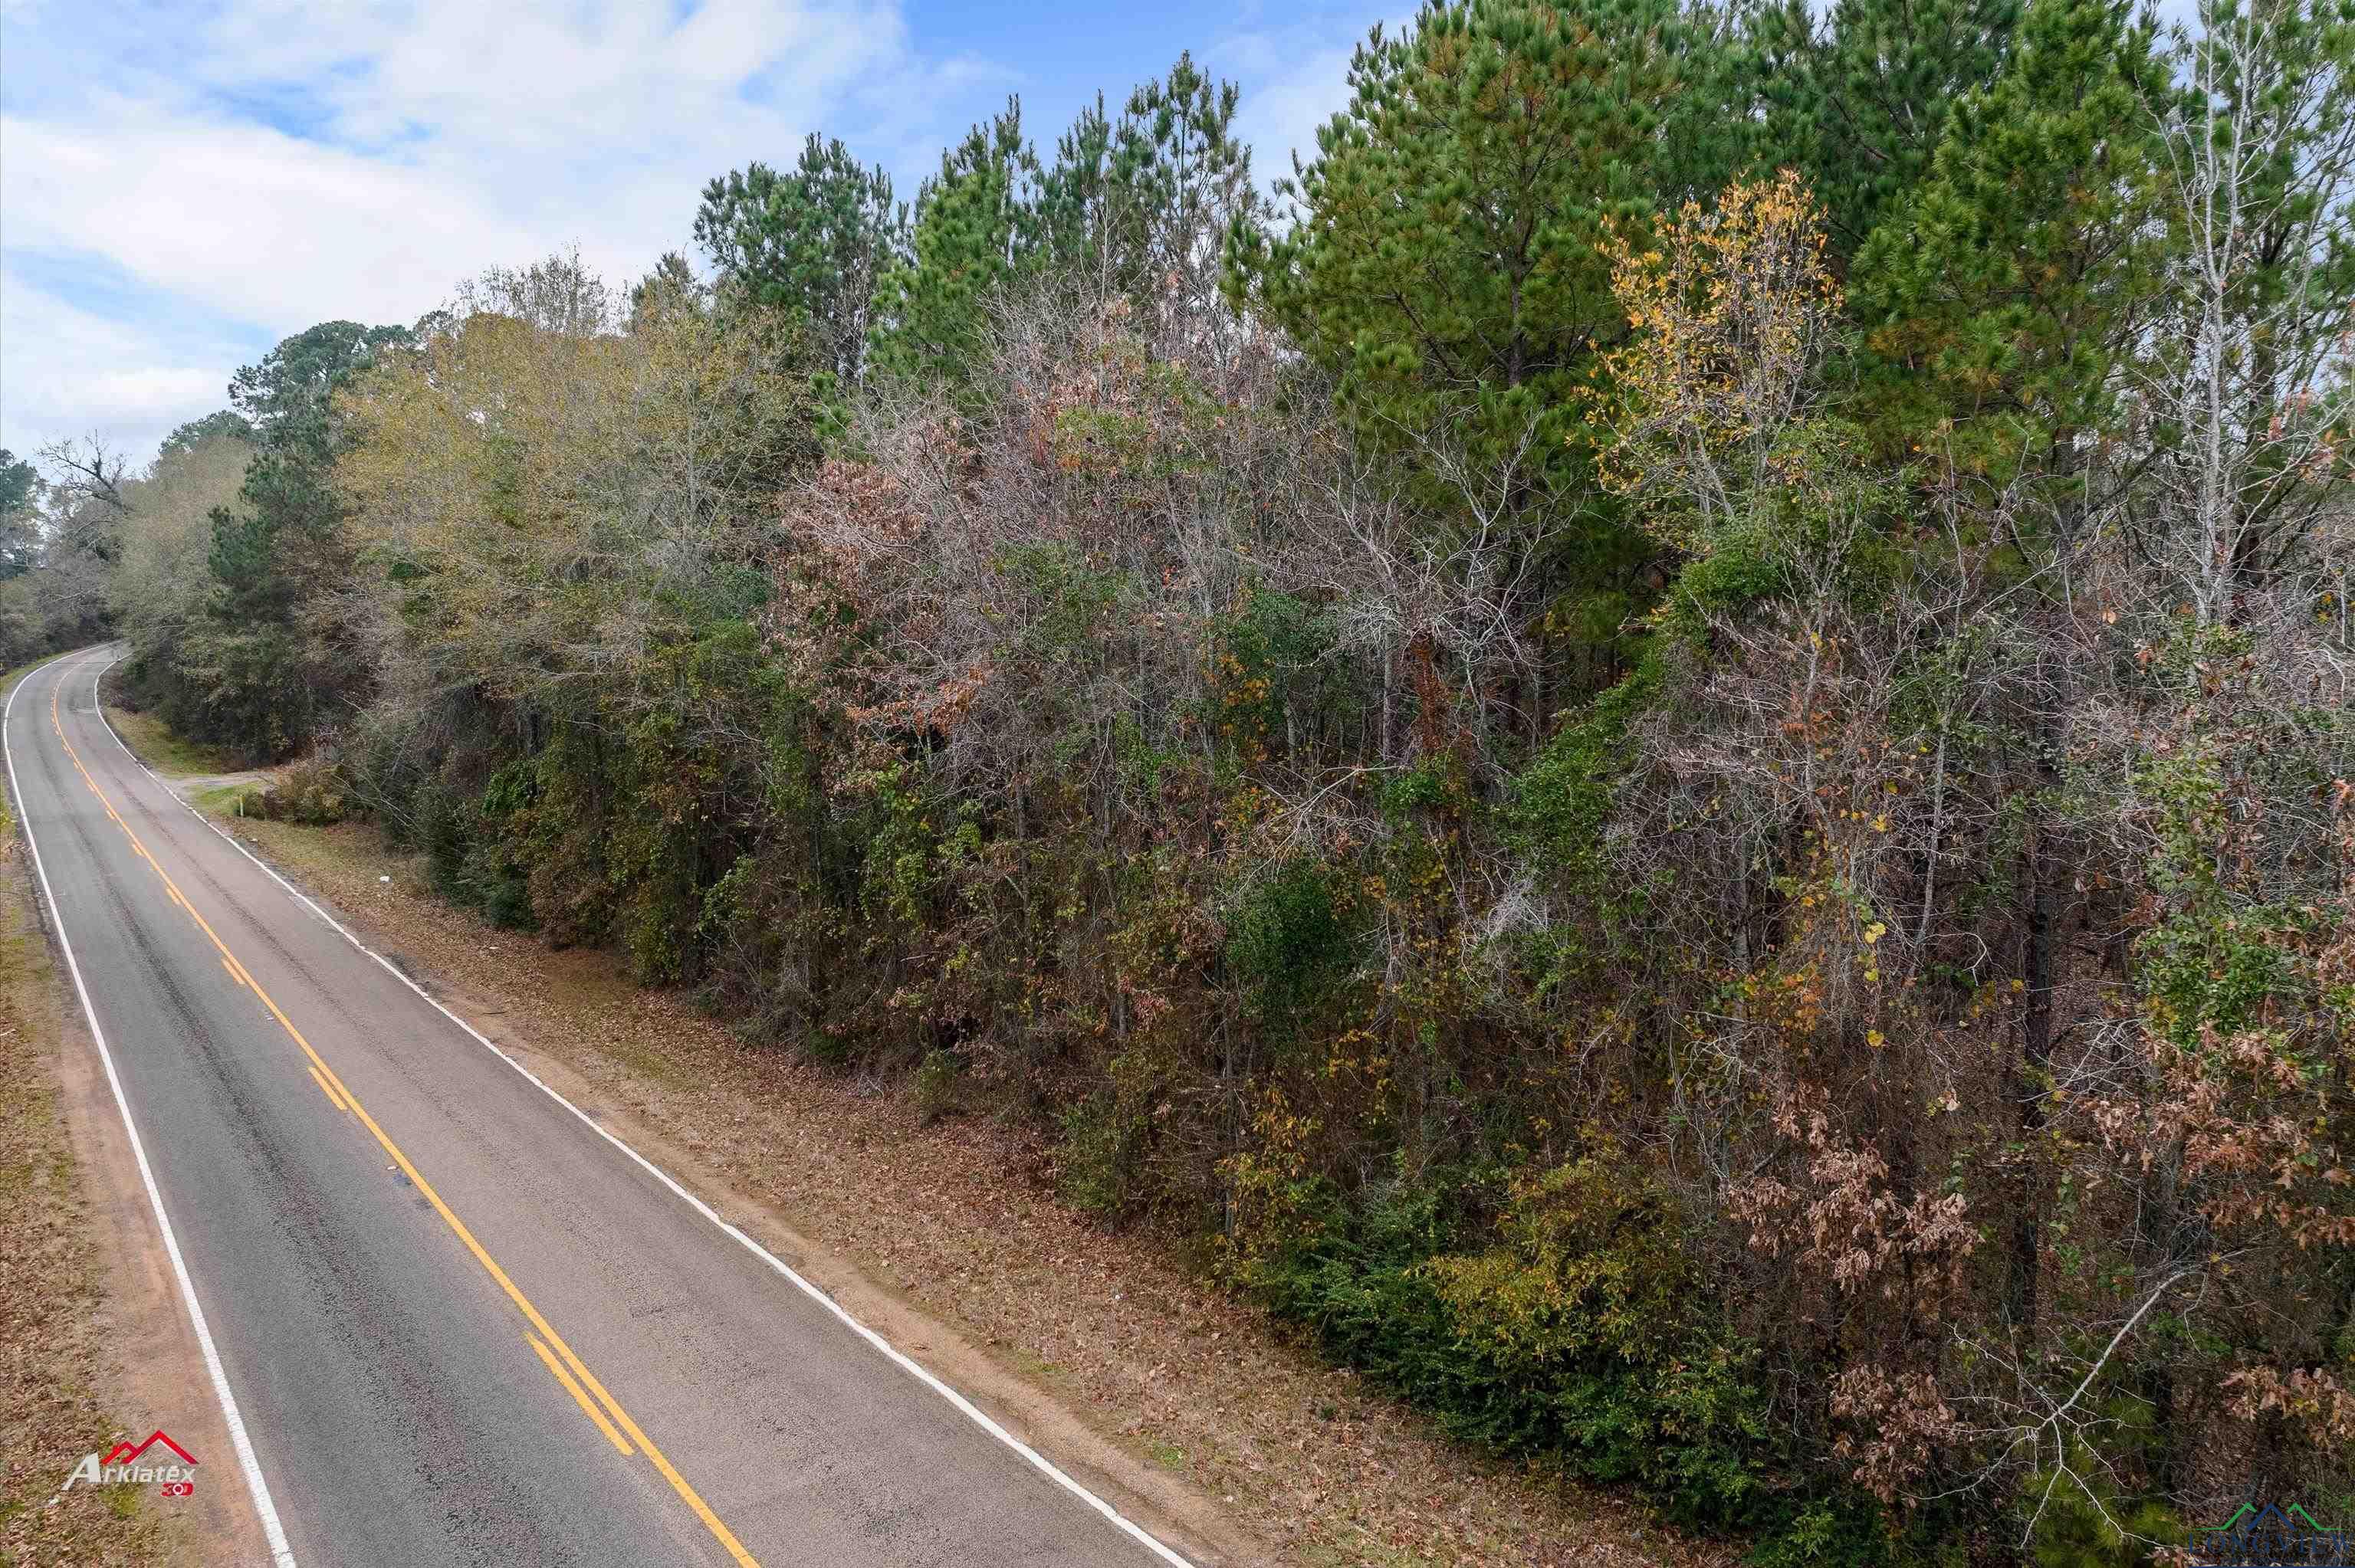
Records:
x=173, y=1473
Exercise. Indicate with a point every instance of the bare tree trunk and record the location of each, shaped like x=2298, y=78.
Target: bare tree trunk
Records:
x=2034, y=1071
x=1390, y=703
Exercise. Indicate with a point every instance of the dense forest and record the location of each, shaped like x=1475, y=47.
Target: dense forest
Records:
x=1667, y=752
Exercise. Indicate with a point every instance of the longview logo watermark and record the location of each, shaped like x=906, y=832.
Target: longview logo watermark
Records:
x=133, y=1463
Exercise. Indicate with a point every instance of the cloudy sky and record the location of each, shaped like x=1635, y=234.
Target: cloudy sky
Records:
x=182, y=184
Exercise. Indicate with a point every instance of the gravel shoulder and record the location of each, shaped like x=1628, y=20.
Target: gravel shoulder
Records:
x=1103, y=1346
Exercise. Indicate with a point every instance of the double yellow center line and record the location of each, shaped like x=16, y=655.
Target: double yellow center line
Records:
x=568, y=1369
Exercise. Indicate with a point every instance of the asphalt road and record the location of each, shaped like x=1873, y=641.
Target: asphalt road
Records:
x=460, y=1325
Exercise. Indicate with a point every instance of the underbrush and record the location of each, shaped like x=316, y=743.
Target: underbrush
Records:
x=1578, y=1338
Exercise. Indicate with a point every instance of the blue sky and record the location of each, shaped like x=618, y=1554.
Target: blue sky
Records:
x=183, y=185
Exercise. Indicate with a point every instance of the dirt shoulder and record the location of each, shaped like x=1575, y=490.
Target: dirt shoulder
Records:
x=95, y=1347
x=1150, y=1383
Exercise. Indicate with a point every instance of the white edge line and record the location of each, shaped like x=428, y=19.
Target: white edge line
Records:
x=965, y=1406
x=281, y=1553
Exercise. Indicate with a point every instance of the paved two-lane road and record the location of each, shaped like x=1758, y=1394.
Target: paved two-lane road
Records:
x=459, y=1323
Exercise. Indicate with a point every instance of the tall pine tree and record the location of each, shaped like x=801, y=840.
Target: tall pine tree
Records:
x=2006, y=308
x=813, y=240
x=2004, y=302
x=1448, y=265
x=976, y=227
x=1858, y=101
x=267, y=669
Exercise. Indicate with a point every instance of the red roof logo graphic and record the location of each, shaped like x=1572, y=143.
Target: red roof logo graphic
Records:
x=123, y=1453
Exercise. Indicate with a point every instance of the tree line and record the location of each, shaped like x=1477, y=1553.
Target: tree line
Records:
x=1667, y=752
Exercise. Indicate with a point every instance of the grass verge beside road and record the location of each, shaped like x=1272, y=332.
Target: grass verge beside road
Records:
x=160, y=748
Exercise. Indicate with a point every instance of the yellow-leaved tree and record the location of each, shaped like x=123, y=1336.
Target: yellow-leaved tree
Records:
x=1713, y=404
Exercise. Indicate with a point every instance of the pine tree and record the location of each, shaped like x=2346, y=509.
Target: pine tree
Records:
x=1184, y=181
x=2004, y=303
x=1144, y=202
x=1078, y=201
x=813, y=241
x=2005, y=309
x=1139, y=204
x=976, y=227
x=266, y=557
x=1859, y=102
x=271, y=668
x=1448, y=259
x=1448, y=267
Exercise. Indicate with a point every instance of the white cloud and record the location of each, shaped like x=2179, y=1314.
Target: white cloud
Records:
x=66, y=372
x=278, y=163
x=1283, y=116
x=617, y=78
x=244, y=220
x=184, y=186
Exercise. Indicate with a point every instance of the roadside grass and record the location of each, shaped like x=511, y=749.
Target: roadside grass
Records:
x=220, y=799
x=225, y=786
x=168, y=753
x=51, y=1279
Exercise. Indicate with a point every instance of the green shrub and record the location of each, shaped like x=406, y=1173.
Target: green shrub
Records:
x=314, y=789
x=1095, y=1168
x=502, y=894
x=1846, y=1530
x=1581, y=1334
x=936, y=1086
x=1292, y=944
x=2077, y=1528
x=465, y=863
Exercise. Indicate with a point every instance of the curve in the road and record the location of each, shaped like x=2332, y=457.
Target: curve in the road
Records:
x=340, y=1094
x=720, y=1363
x=281, y=1555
